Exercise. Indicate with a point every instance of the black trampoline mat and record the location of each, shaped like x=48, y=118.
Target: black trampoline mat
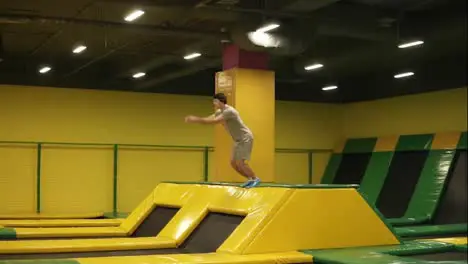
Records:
x=453, y=205
x=155, y=221
x=452, y=256
x=400, y=183
x=214, y=229
x=352, y=168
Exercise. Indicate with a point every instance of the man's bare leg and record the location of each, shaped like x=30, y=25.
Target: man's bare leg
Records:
x=238, y=169
x=249, y=173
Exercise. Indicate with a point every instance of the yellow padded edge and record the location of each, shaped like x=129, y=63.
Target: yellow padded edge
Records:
x=450, y=240
x=321, y=219
x=83, y=245
x=69, y=232
x=166, y=194
x=212, y=258
x=258, y=203
x=446, y=140
x=61, y=223
x=52, y=216
x=387, y=143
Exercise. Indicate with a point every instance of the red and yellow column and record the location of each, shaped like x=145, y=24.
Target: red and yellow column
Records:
x=250, y=88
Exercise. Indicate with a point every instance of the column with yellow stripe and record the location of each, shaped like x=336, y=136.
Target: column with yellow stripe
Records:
x=250, y=88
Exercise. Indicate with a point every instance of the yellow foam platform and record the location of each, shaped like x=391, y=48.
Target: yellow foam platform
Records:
x=214, y=258
x=83, y=245
x=51, y=216
x=173, y=195
x=61, y=223
x=276, y=220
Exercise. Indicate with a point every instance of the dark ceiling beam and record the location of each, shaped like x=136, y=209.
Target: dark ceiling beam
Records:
x=197, y=67
x=157, y=30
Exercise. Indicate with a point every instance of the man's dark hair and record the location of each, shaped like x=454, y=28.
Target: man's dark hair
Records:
x=221, y=97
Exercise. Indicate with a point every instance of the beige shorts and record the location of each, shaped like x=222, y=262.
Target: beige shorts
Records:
x=242, y=150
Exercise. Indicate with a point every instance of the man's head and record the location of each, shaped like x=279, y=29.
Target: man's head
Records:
x=219, y=100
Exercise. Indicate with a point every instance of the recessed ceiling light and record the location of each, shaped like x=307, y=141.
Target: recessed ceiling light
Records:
x=134, y=15
x=268, y=27
x=45, y=69
x=192, y=56
x=410, y=44
x=328, y=88
x=79, y=49
x=313, y=67
x=139, y=75
x=403, y=75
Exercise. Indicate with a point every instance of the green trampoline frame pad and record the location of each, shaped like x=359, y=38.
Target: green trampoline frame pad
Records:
x=400, y=254
x=429, y=230
x=7, y=233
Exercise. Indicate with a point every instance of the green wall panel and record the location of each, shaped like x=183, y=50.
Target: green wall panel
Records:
x=462, y=143
x=375, y=175
x=332, y=168
x=414, y=142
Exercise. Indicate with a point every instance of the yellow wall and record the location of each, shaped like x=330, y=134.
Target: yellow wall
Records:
x=413, y=114
x=79, y=179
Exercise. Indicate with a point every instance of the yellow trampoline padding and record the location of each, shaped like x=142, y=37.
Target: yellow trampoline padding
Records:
x=212, y=258
x=317, y=218
x=84, y=245
x=61, y=223
x=69, y=232
x=52, y=216
x=165, y=194
x=258, y=204
x=450, y=240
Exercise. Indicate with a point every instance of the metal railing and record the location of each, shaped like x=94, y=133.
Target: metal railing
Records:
x=116, y=147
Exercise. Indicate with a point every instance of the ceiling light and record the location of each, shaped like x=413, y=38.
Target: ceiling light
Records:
x=267, y=40
x=328, y=88
x=403, y=75
x=313, y=67
x=268, y=27
x=410, y=44
x=134, y=15
x=45, y=69
x=79, y=49
x=192, y=56
x=138, y=75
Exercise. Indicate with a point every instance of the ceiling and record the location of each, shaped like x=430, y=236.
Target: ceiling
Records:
x=356, y=40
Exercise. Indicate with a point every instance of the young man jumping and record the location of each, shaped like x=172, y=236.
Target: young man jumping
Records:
x=240, y=133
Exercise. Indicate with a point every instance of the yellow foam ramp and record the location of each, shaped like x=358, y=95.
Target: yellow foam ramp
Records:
x=214, y=258
x=312, y=218
x=173, y=195
x=51, y=216
x=61, y=223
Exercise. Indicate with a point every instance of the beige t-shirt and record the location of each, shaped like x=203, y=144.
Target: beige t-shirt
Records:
x=234, y=124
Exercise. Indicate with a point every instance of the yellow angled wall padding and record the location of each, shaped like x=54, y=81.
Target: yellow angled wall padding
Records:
x=211, y=258
x=451, y=240
x=446, y=140
x=52, y=216
x=317, y=219
x=62, y=223
x=83, y=245
x=387, y=143
x=69, y=232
